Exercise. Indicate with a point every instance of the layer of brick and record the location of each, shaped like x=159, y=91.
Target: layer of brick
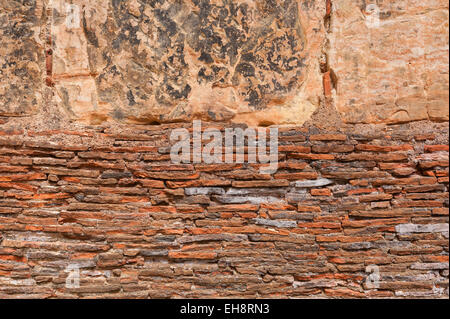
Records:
x=342, y=206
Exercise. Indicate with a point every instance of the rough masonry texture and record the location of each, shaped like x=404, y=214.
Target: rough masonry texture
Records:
x=109, y=201
x=90, y=92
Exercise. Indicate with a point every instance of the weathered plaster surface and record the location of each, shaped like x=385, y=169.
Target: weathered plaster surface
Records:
x=391, y=60
x=165, y=61
x=255, y=62
x=21, y=57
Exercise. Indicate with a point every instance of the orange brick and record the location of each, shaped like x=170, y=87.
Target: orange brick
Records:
x=435, y=148
x=302, y=208
x=23, y=177
x=294, y=148
x=192, y=255
x=232, y=208
x=317, y=157
x=270, y=183
x=321, y=192
x=327, y=84
x=378, y=148
x=296, y=176
x=328, y=137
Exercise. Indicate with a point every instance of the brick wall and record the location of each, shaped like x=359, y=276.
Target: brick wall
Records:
x=90, y=91
x=343, y=204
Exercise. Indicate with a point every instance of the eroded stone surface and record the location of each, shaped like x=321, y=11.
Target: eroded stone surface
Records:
x=391, y=60
x=255, y=62
x=21, y=57
x=164, y=61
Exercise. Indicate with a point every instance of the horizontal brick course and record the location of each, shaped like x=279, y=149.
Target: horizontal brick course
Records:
x=135, y=223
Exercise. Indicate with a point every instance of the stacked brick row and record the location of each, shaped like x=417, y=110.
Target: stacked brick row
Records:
x=360, y=215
